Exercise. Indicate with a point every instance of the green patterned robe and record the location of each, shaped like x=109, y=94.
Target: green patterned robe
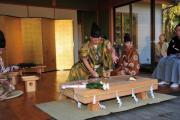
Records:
x=99, y=58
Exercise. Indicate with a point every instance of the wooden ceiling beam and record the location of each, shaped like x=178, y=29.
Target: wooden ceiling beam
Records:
x=157, y=1
x=118, y=3
x=62, y=4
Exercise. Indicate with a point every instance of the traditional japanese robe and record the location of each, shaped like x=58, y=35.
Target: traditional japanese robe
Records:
x=128, y=63
x=99, y=58
x=160, y=51
x=174, y=46
x=4, y=69
x=168, y=68
x=5, y=85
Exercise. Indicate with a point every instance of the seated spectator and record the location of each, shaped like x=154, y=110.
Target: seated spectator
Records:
x=5, y=85
x=161, y=48
x=129, y=61
x=168, y=68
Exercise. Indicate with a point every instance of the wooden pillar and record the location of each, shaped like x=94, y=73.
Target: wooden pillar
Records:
x=131, y=23
x=122, y=27
x=54, y=6
x=111, y=23
x=152, y=11
x=98, y=12
x=131, y=19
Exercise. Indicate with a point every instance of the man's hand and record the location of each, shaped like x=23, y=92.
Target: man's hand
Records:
x=94, y=74
x=115, y=59
x=164, y=54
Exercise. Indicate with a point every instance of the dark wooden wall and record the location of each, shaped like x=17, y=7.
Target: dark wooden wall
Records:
x=89, y=5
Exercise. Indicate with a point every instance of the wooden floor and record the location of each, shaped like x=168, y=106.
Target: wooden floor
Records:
x=22, y=108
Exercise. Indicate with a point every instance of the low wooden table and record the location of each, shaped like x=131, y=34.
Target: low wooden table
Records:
x=38, y=69
x=118, y=85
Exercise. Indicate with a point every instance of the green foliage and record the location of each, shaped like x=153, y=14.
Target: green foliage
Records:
x=94, y=85
x=171, y=17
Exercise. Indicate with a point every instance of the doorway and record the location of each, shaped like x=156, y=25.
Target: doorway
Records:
x=64, y=44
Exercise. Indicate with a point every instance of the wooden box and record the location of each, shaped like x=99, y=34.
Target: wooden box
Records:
x=30, y=83
x=120, y=85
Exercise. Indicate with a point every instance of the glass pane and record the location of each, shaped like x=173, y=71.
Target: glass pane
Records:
x=122, y=26
x=126, y=22
x=142, y=30
x=118, y=26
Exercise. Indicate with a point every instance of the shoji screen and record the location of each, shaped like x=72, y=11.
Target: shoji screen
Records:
x=64, y=44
